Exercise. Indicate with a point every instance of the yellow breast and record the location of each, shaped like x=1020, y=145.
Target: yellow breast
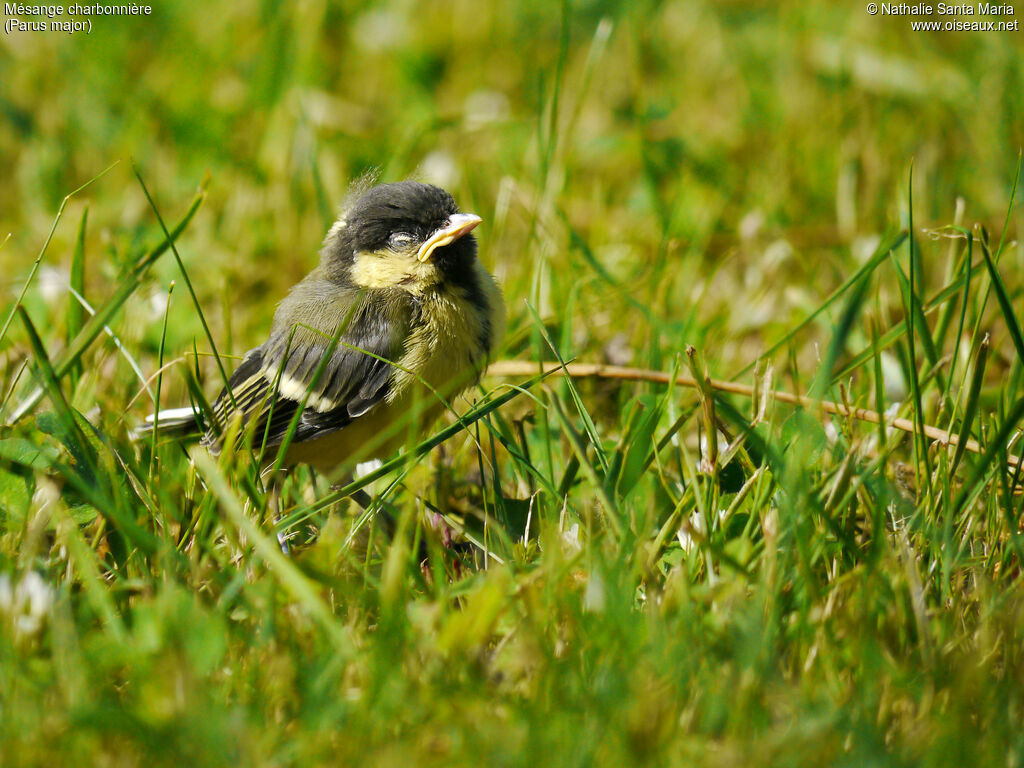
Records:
x=442, y=356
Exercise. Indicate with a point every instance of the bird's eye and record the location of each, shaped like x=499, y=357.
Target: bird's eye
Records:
x=400, y=239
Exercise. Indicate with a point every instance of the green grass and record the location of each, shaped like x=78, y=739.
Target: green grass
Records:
x=808, y=192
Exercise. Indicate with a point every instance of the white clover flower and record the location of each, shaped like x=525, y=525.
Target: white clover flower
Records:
x=484, y=107
x=440, y=167
x=28, y=604
x=53, y=283
x=695, y=523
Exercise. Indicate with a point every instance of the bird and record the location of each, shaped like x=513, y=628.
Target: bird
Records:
x=398, y=318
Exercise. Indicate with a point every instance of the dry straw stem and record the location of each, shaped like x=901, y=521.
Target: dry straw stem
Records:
x=513, y=368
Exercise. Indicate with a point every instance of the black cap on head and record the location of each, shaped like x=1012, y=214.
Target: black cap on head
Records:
x=407, y=206
x=402, y=208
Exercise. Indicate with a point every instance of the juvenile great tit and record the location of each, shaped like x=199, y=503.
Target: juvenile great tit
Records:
x=411, y=314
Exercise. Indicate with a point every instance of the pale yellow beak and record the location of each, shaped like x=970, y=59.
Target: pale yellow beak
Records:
x=458, y=225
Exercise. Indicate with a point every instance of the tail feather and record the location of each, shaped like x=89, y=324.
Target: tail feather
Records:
x=171, y=422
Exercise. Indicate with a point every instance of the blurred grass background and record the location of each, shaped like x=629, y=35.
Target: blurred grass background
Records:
x=651, y=175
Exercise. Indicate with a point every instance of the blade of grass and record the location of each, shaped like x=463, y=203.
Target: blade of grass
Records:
x=188, y=282
x=518, y=450
x=851, y=311
x=577, y=242
x=588, y=468
x=423, y=448
x=879, y=385
x=911, y=286
x=285, y=571
x=118, y=344
x=96, y=325
x=75, y=316
x=990, y=262
x=895, y=333
x=888, y=244
x=947, y=314
x=971, y=408
x=50, y=382
x=160, y=378
x=46, y=244
x=100, y=497
x=910, y=291
x=588, y=422
x=1005, y=306
x=549, y=137
x=89, y=575
x=985, y=464
x=1009, y=207
x=706, y=395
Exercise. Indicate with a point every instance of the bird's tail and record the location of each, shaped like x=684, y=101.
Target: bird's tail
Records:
x=171, y=422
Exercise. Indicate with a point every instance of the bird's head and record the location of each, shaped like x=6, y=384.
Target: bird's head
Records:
x=405, y=235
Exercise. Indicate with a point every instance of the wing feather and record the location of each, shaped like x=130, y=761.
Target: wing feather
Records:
x=274, y=380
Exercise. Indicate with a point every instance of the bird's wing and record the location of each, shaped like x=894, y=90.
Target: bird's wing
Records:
x=285, y=374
